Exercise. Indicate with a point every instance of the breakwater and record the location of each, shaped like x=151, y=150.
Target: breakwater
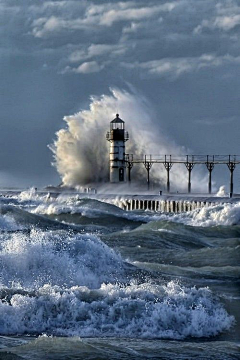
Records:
x=172, y=204
x=175, y=203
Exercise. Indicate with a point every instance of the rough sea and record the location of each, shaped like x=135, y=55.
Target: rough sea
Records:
x=84, y=279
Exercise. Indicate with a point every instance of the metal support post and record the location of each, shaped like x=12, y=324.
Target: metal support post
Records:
x=129, y=166
x=148, y=165
x=189, y=166
x=129, y=162
x=168, y=166
x=210, y=167
x=231, y=165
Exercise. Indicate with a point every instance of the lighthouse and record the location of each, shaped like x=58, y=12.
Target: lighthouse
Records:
x=117, y=136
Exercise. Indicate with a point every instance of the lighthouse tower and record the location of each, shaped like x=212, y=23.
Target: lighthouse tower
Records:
x=117, y=136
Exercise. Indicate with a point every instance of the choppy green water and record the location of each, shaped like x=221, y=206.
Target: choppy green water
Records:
x=82, y=279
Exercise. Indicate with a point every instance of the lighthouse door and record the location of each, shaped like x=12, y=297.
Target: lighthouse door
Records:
x=121, y=174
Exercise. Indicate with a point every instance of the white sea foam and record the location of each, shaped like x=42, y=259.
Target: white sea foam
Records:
x=91, y=208
x=76, y=205
x=81, y=151
x=8, y=223
x=31, y=195
x=170, y=311
x=58, y=258
x=221, y=191
x=223, y=214
x=226, y=214
x=72, y=284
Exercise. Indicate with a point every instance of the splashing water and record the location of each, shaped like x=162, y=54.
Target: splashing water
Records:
x=67, y=283
x=81, y=150
x=222, y=191
x=56, y=258
x=134, y=311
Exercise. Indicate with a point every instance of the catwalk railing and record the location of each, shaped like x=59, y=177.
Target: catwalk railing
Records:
x=189, y=161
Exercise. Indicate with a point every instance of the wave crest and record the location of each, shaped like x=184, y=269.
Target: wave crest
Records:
x=81, y=151
x=167, y=312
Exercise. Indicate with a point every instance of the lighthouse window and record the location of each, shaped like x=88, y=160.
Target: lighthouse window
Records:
x=121, y=174
x=115, y=126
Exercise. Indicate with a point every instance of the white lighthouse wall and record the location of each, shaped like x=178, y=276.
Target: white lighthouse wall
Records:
x=117, y=157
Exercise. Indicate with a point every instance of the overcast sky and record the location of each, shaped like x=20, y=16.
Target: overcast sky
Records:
x=183, y=56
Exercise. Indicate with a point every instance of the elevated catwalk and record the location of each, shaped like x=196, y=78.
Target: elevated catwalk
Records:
x=189, y=161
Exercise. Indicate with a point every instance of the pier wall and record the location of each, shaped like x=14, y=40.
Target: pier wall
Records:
x=169, y=205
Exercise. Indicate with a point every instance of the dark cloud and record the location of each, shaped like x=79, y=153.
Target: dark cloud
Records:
x=182, y=55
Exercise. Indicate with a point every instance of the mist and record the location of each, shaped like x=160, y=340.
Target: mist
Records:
x=81, y=152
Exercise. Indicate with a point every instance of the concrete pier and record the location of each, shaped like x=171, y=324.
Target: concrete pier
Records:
x=169, y=204
x=174, y=203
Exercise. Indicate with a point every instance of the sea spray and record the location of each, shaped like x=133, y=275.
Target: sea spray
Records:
x=221, y=191
x=167, y=312
x=63, y=282
x=81, y=151
x=33, y=259
x=221, y=214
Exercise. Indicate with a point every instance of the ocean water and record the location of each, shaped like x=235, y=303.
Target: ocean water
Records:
x=84, y=279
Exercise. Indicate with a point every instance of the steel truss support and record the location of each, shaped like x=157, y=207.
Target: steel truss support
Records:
x=210, y=167
x=129, y=167
x=231, y=165
x=168, y=166
x=148, y=165
x=189, y=161
x=189, y=166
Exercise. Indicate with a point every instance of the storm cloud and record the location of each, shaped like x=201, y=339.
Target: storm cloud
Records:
x=183, y=56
